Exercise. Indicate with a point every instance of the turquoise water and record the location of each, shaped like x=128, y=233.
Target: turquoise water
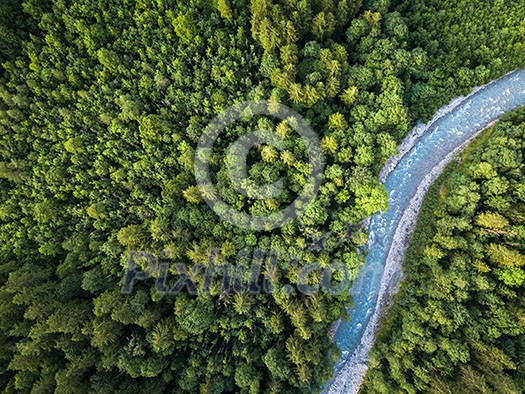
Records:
x=442, y=137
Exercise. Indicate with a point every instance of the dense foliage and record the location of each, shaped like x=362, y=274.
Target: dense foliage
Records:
x=466, y=41
x=458, y=324
x=101, y=106
x=13, y=27
x=100, y=118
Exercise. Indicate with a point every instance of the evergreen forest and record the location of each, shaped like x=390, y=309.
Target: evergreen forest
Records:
x=102, y=105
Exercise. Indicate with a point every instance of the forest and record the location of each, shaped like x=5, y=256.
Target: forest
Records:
x=102, y=104
x=457, y=325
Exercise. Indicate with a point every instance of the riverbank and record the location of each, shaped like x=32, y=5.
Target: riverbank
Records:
x=423, y=156
x=438, y=334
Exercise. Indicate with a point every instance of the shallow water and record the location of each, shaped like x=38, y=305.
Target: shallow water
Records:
x=407, y=177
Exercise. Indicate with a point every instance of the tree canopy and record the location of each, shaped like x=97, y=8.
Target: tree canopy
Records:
x=102, y=104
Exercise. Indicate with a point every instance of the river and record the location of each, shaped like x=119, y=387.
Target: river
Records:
x=407, y=178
